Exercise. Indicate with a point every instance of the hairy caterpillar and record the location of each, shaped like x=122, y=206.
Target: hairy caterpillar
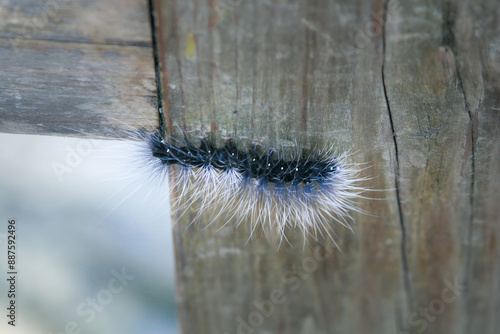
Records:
x=274, y=193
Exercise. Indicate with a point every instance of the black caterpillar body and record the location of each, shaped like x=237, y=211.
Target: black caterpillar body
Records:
x=250, y=164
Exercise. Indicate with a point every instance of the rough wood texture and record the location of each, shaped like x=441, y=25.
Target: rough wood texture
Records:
x=411, y=87
x=477, y=43
x=123, y=22
x=73, y=65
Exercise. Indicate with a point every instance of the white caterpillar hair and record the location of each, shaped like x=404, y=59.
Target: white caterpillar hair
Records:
x=306, y=192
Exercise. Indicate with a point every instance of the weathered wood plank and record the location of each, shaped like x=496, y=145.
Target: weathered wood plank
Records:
x=66, y=70
x=451, y=180
x=51, y=88
x=84, y=21
x=432, y=129
x=477, y=48
x=281, y=72
x=317, y=72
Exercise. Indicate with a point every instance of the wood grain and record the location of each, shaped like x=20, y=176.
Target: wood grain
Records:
x=79, y=68
x=412, y=88
x=477, y=48
x=276, y=72
x=121, y=22
x=434, y=161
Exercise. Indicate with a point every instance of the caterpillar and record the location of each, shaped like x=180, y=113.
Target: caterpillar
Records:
x=273, y=192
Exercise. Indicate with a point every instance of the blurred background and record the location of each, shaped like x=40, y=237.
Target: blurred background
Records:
x=84, y=215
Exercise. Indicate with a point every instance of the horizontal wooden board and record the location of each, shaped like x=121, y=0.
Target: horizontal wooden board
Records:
x=63, y=88
x=76, y=67
x=84, y=21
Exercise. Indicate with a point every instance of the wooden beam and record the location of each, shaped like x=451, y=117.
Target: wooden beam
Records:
x=432, y=128
x=404, y=86
x=281, y=72
x=72, y=67
x=476, y=46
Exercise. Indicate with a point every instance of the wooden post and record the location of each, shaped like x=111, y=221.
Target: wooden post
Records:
x=411, y=87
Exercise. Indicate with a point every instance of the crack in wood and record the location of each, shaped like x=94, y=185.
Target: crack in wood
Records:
x=156, y=57
x=404, y=261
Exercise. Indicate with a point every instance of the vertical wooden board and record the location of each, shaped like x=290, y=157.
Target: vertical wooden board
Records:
x=478, y=56
x=89, y=21
x=432, y=129
x=383, y=299
x=282, y=72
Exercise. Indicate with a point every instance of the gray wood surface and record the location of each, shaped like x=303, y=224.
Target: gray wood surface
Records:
x=76, y=67
x=477, y=44
x=412, y=88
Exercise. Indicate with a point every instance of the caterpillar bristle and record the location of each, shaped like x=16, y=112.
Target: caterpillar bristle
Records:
x=275, y=190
